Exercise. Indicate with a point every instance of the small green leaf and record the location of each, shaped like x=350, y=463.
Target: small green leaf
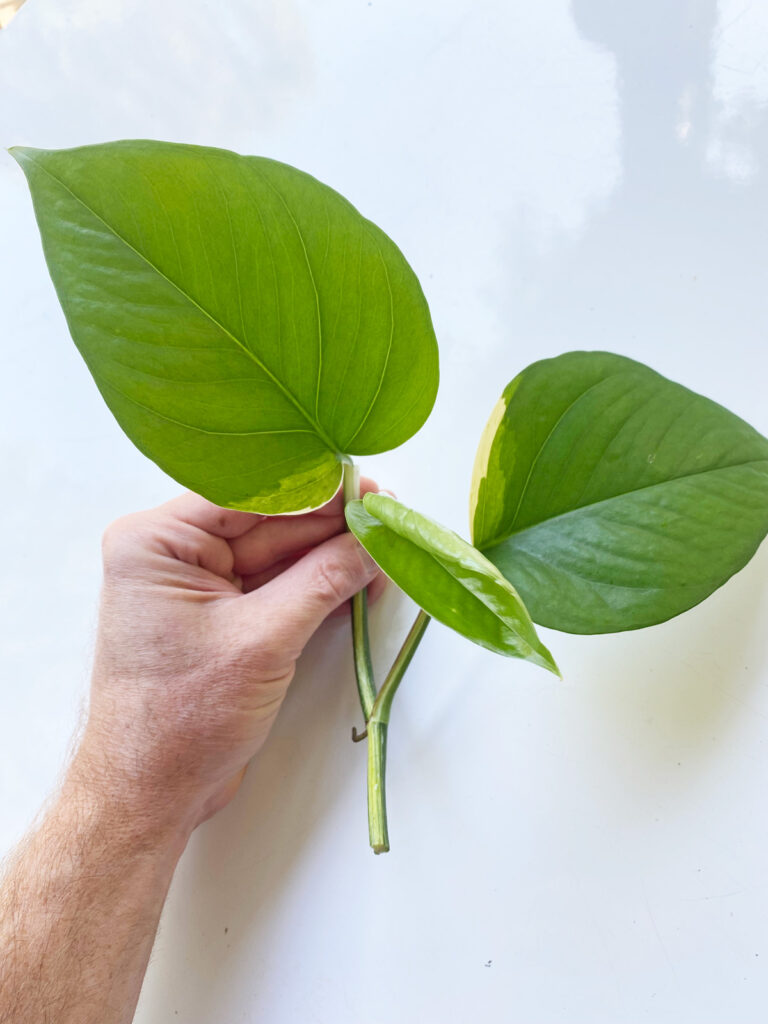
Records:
x=447, y=577
x=245, y=324
x=612, y=497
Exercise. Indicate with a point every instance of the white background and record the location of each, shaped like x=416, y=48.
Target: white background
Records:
x=585, y=175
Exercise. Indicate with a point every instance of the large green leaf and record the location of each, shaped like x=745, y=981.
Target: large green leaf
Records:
x=244, y=323
x=447, y=577
x=612, y=497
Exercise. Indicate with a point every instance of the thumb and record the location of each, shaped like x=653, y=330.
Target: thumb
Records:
x=300, y=598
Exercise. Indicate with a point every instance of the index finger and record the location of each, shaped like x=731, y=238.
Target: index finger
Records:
x=230, y=523
x=221, y=522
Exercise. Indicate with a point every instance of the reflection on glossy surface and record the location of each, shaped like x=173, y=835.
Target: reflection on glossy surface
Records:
x=673, y=263
x=739, y=88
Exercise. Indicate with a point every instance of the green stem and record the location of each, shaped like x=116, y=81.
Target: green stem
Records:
x=377, y=736
x=361, y=647
x=376, y=708
x=377, y=796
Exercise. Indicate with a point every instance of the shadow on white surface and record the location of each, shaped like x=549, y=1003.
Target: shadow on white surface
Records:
x=673, y=700
x=240, y=868
x=644, y=743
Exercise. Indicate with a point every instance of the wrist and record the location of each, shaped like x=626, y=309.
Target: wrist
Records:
x=125, y=808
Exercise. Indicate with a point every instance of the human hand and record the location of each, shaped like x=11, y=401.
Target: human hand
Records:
x=204, y=612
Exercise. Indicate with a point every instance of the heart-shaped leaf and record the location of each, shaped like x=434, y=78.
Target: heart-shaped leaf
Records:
x=245, y=324
x=446, y=577
x=612, y=497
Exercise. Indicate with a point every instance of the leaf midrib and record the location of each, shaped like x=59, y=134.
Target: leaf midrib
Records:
x=717, y=579
x=298, y=230
x=496, y=541
x=445, y=568
x=478, y=600
x=241, y=345
x=550, y=434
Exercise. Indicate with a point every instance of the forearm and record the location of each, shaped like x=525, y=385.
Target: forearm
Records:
x=204, y=611
x=79, y=906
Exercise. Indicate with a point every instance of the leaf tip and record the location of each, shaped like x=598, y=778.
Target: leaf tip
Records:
x=549, y=663
x=21, y=153
x=372, y=502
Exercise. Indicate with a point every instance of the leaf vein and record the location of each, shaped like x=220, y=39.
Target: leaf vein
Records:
x=286, y=391
x=191, y=426
x=383, y=373
x=496, y=541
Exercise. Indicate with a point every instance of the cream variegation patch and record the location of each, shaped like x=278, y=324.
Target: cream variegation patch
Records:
x=7, y=10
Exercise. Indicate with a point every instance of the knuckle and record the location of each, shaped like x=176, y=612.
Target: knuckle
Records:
x=118, y=541
x=333, y=580
x=113, y=537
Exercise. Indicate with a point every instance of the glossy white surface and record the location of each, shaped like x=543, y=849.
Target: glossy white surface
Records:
x=561, y=176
